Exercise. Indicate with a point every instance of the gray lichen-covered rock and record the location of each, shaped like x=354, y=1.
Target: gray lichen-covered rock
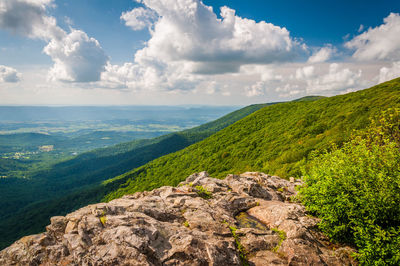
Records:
x=244, y=218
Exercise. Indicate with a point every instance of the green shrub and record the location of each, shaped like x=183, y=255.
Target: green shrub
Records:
x=355, y=190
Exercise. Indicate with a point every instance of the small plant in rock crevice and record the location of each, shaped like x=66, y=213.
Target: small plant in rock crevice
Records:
x=103, y=218
x=282, y=236
x=203, y=192
x=242, y=251
x=186, y=224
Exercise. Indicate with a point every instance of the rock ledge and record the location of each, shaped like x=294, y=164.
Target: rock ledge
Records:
x=245, y=218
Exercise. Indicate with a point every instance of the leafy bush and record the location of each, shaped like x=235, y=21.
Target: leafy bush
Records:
x=355, y=190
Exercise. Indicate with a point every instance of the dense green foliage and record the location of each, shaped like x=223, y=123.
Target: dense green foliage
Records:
x=11, y=165
x=355, y=190
x=27, y=204
x=26, y=158
x=276, y=139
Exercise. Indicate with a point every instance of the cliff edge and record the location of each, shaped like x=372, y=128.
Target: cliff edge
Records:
x=244, y=219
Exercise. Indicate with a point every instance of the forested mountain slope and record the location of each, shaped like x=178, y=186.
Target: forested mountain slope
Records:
x=276, y=140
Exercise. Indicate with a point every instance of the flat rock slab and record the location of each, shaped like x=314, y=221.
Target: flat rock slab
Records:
x=185, y=226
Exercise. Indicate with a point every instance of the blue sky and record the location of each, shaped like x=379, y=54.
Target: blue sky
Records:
x=318, y=22
x=181, y=52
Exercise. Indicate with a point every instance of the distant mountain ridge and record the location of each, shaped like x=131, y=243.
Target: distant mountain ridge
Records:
x=96, y=113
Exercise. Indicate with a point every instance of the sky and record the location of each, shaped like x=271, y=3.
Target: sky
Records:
x=180, y=52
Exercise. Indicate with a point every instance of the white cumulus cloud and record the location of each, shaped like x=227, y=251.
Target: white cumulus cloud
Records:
x=326, y=79
x=256, y=89
x=157, y=76
x=379, y=43
x=288, y=90
x=189, y=41
x=29, y=18
x=269, y=75
x=336, y=80
x=139, y=18
x=188, y=30
x=322, y=55
x=77, y=58
x=388, y=73
x=305, y=72
x=9, y=74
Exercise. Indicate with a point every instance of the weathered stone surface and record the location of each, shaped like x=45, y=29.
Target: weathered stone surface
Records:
x=248, y=215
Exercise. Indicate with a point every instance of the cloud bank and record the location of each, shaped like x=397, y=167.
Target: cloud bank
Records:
x=190, y=31
x=188, y=38
x=337, y=79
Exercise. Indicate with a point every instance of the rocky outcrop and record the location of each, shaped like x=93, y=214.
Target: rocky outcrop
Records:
x=243, y=219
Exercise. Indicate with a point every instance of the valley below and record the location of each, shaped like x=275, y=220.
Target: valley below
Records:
x=33, y=138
